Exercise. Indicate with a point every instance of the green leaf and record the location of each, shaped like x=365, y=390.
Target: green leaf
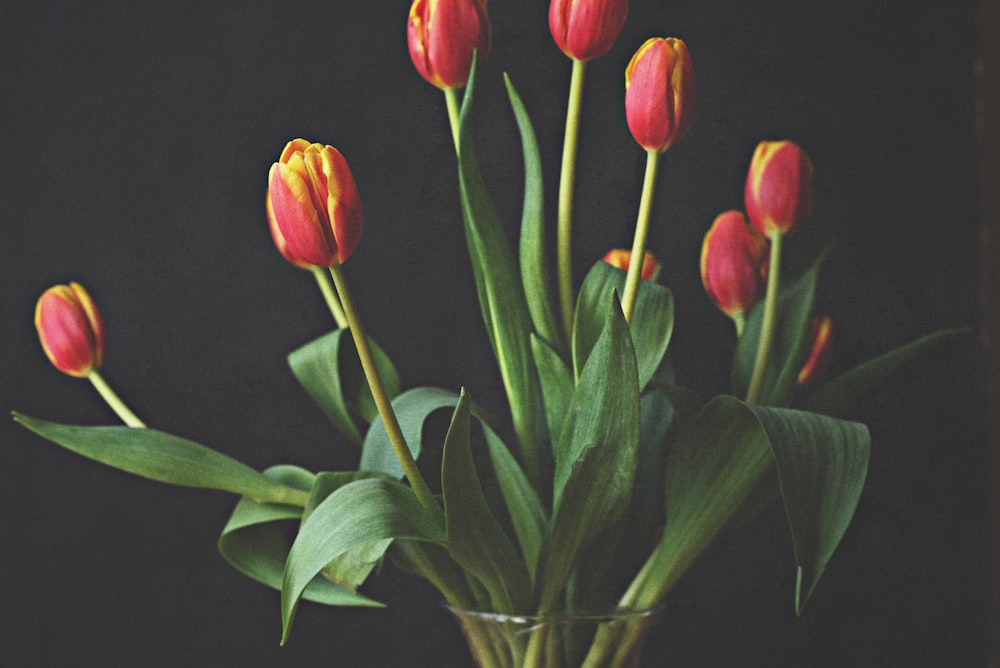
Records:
x=330, y=371
x=597, y=454
x=556, y=381
x=359, y=513
x=352, y=568
x=652, y=320
x=719, y=458
x=475, y=539
x=822, y=463
x=254, y=543
x=523, y=505
x=722, y=466
x=532, y=255
x=433, y=563
x=163, y=457
x=501, y=295
x=838, y=395
x=791, y=343
x=412, y=409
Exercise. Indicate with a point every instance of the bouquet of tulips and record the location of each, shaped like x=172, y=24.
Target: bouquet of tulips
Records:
x=610, y=478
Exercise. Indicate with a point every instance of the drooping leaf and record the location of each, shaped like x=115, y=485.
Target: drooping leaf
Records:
x=254, y=543
x=532, y=256
x=475, y=539
x=652, y=319
x=822, y=463
x=163, y=457
x=501, y=295
x=597, y=455
x=359, y=513
x=791, y=342
x=720, y=467
x=838, y=395
x=412, y=409
x=350, y=569
x=329, y=369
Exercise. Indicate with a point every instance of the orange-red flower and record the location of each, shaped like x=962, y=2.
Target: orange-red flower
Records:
x=778, y=193
x=659, y=93
x=734, y=262
x=821, y=352
x=313, y=205
x=70, y=329
x=442, y=36
x=586, y=29
x=621, y=258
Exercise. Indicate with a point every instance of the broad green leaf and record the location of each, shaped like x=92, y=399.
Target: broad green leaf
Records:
x=791, y=343
x=532, y=256
x=165, y=458
x=501, y=295
x=837, y=396
x=722, y=466
x=822, y=463
x=475, y=539
x=715, y=464
x=523, y=505
x=412, y=409
x=597, y=455
x=359, y=513
x=254, y=542
x=652, y=320
x=556, y=381
x=330, y=371
x=352, y=568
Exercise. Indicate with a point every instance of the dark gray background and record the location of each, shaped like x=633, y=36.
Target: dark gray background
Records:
x=136, y=140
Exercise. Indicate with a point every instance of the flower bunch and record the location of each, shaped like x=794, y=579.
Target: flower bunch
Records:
x=612, y=477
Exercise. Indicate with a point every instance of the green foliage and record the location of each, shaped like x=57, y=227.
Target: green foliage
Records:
x=330, y=372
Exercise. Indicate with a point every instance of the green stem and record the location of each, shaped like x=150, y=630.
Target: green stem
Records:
x=451, y=100
x=567, y=179
x=330, y=295
x=113, y=400
x=740, y=321
x=767, y=328
x=381, y=397
x=641, y=232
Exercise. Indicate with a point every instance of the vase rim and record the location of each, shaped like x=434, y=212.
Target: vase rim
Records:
x=607, y=616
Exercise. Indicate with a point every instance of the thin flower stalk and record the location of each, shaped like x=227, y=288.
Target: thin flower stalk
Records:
x=381, y=397
x=330, y=296
x=114, y=401
x=567, y=181
x=767, y=328
x=641, y=233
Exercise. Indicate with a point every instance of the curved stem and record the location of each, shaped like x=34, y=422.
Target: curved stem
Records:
x=767, y=328
x=114, y=401
x=567, y=180
x=330, y=295
x=451, y=100
x=381, y=397
x=641, y=232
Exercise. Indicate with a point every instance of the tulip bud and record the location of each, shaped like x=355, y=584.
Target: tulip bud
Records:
x=586, y=29
x=442, y=36
x=778, y=193
x=313, y=205
x=70, y=329
x=659, y=93
x=621, y=258
x=734, y=262
x=821, y=352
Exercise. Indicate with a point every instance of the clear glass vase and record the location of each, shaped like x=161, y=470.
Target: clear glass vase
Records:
x=612, y=640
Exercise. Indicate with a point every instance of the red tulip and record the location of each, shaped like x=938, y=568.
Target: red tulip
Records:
x=313, y=205
x=70, y=329
x=621, y=258
x=734, y=262
x=586, y=29
x=778, y=192
x=442, y=36
x=820, y=353
x=659, y=93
